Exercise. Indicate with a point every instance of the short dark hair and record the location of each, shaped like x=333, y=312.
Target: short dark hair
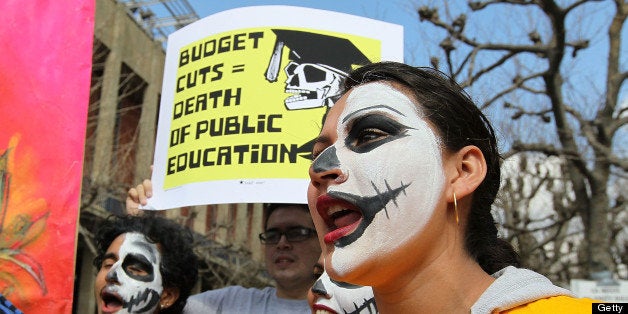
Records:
x=179, y=264
x=459, y=122
x=269, y=208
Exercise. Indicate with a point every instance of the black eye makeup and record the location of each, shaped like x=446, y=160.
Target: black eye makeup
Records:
x=345, y=285
x=370, y=131
x=138, y=267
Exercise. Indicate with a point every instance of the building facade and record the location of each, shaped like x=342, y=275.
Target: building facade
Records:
x=127, y=75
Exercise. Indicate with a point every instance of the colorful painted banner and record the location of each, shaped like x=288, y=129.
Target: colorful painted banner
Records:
x=45, y=68
x=245, y=93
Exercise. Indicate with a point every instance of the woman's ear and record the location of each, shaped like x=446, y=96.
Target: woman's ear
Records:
x=467, y=170
x=168, y=297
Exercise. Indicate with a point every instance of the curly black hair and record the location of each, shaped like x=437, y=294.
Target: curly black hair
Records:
x=179, y=264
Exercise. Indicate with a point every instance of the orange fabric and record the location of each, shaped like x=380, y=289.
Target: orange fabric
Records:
x=555, y=305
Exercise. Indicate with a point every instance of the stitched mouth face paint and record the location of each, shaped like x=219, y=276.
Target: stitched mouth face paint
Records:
x=133, y=279
x=343, y=298
x=392, y=175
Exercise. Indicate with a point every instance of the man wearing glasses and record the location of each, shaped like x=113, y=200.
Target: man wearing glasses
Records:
x=291, y=250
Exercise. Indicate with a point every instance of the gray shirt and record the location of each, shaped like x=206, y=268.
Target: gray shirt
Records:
x=237, y=299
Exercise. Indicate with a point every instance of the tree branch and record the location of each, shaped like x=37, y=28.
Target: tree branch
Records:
x=516, y=84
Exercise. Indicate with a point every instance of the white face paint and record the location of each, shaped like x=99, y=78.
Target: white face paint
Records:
x=392, y=161
x=134, y=282
x=342, y=297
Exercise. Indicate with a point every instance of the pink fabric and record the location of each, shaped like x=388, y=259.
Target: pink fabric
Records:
x=45, y=69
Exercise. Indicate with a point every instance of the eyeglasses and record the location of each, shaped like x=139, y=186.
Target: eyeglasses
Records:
x=294, y=234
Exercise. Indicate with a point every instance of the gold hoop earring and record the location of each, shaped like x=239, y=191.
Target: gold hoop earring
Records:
x=456, y=209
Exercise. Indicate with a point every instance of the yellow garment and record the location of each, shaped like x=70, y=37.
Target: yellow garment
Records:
x=555, y=305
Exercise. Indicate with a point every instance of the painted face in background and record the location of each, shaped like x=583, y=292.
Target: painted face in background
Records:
x=129, y=280
x=390, y=181
x=333, y=297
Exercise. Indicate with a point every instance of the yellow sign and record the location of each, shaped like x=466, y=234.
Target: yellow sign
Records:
x=244, y=96
x=248, y=102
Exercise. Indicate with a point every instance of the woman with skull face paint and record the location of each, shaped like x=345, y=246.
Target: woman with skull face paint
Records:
x=145, y=265
x=328, y=296
x=404, y=174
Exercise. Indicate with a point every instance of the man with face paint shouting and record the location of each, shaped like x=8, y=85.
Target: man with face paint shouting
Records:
x=145, y=265
x=291, y=252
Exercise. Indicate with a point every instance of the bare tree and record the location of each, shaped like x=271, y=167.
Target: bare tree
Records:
x=529, y=68
x=537, y=218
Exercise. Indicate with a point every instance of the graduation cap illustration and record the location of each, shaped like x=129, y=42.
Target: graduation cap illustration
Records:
x=318, y=63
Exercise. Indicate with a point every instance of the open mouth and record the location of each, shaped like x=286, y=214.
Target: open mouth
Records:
x=112, y=302
x=348, y=215
x=322, y=309
x=341, y=217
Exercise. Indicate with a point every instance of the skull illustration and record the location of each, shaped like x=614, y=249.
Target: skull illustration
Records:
x=313, y=85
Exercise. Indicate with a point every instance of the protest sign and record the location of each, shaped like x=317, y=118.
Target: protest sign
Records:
x=244, y=95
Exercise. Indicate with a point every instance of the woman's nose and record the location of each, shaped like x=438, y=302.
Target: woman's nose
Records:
x=318, y=289
x=326, y=167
